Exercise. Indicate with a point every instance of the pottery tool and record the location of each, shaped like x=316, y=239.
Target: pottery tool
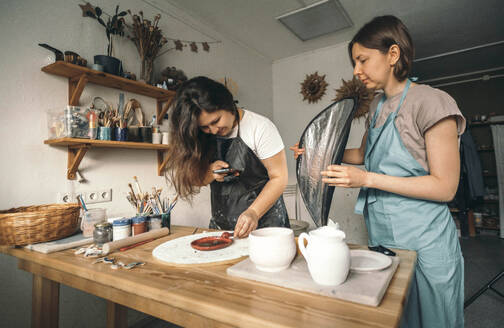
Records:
x=118, y=244
x=135, y=245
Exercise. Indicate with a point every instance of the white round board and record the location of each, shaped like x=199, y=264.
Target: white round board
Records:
x=364, y=261
x=179, y=250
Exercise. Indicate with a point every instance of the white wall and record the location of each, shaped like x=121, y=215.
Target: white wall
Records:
x=292, y=114
x=33, y=173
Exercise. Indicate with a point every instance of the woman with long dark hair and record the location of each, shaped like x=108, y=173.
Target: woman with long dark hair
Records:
x=238, y=152
x=410, y=152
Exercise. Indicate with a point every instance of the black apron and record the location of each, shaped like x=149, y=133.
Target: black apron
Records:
x=233, y=196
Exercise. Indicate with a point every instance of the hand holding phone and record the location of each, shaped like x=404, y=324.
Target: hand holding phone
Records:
x=224, y=171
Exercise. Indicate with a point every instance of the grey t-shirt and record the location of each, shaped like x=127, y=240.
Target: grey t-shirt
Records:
x=422, y=108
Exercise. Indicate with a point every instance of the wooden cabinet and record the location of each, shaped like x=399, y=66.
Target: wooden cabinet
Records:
x=486, y=214
x=78, y=77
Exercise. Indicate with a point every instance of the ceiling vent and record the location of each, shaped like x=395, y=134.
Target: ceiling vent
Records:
x=320, y=18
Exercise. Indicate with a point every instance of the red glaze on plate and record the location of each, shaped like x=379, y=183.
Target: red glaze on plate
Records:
x=212, y=243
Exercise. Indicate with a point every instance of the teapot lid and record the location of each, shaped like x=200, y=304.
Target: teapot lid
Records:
x=329, y=231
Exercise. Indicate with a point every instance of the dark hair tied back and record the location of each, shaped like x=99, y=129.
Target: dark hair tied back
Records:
x=383, y=32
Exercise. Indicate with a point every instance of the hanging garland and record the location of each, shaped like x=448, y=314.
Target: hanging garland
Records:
x=177, y=44
x=313, y=87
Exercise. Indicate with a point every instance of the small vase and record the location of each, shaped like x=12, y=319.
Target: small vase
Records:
x=146, y=73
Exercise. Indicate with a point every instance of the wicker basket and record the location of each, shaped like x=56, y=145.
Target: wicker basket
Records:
x=37, y=224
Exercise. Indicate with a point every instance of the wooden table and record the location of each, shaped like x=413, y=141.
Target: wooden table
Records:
x=197, y=296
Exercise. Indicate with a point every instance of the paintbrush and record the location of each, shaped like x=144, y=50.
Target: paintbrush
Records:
x=132, y=192
x=138, y=186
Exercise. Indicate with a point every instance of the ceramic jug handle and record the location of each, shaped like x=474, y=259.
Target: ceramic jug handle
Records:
x=301, y=239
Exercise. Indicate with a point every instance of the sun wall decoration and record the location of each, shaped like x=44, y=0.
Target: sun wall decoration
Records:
x=355, y=88
x=313, y=87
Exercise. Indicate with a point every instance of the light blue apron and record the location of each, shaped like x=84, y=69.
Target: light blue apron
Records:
x=437, y=290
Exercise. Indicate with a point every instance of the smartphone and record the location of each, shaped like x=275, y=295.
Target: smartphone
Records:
x=383, y=250
x=225, y=171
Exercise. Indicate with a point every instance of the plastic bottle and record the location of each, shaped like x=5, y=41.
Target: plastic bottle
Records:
x=93, y=126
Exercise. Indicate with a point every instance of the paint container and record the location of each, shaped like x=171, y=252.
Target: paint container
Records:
x=156, y=138
x=164, y=138
x=105, y=133
x=120, y=134
x=146, y=134
x=134, y=133
x=102, y=233
x=166, y=220
x=121, y=228
x=154, y=222
x=138, y=225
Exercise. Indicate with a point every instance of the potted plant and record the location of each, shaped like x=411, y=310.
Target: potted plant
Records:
x=113, y=26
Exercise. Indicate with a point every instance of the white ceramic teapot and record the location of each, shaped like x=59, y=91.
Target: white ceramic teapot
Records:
x=327, y=255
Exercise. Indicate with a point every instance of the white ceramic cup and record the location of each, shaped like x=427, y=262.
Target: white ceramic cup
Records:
x=272, y=249
x=165, y=138
x=156, y=138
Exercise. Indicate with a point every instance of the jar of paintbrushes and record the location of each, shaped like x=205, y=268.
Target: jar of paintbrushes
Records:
x=155, y=208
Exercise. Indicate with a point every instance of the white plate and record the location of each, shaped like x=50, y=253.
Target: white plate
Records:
x=364, y=261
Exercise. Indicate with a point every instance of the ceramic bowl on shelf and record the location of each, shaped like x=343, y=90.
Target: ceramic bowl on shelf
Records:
x=272, y=249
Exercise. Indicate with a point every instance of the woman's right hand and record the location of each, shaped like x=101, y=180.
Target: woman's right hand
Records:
x=297, y=151
x=216, y=166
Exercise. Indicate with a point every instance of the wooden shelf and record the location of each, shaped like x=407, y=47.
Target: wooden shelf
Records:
x=79, y=76
x=77, y=148
x=75, y=72
x=105, y=143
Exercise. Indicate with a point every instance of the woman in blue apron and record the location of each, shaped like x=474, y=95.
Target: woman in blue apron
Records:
x=410, y=152
x=209, y=134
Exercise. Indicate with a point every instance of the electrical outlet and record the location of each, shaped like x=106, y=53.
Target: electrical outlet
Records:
x=66, y=197
x=98, y=196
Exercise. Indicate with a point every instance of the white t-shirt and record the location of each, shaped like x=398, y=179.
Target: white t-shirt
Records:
x=259, y=134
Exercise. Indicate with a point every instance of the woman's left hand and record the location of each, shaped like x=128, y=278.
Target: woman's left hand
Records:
x=247, y=222
x=345, y=176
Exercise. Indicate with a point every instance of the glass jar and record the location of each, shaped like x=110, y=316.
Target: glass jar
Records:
x=102, y=233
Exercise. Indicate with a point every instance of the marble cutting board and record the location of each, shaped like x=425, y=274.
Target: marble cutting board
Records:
x=365, y=288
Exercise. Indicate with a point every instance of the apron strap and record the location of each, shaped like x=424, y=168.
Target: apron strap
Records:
x=405, y=91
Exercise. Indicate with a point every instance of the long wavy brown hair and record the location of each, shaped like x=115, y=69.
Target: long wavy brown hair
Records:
x=193, y=150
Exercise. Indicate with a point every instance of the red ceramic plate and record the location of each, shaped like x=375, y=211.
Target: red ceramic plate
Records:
x=212, y=243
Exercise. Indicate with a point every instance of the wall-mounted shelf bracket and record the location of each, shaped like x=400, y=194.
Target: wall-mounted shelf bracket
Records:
x=75, y=156
x=161, y=162
x=75, y=87
x=162, y=109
